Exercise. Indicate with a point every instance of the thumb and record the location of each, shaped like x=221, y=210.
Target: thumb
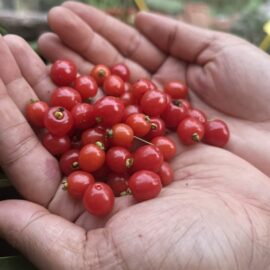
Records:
x=48, y=241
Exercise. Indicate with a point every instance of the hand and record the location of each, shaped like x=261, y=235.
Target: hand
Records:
x=228, y=76
x=214, y=216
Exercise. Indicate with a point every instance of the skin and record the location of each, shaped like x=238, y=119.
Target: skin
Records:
x=215, y=215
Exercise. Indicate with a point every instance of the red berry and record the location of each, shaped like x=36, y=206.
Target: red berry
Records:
x=98, y=199
x=78, y=182
x=140, y=87
x=216, y=133
x=83, y=115
x=109, y=111
x=121, y=135
x=118, y=183
x=153, y=103
x=86, y=86
x=140, y=123
x=114, y=86
x=63, y=72
x=56, y=145
x=35, y=112
x=157, y=128
x=127, y=98
x=100, y=73
x=118, y=159
x=58, y=121
x=197, y=114
x=129, y=110
x=93, y=135
x=147, y=157
x=128, y=87
x=121, y=70
x=144, y=185
x=176, y=89
x=190, y=131
x=91, y=158
x=166, y=146
x=66, y=97
x=166, y=174
x=69, y=162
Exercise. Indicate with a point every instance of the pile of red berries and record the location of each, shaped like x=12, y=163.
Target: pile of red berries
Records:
x=99, y=143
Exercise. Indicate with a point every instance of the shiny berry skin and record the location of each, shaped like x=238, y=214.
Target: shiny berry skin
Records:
x=93, y=135
x=58, y=121
x=128, y=87
x=65, y=97
x=140, y=87
x=140, y=123
x=129, y=110
x=153, y=103
x=100, y=73
x=83, y=115
x=144, y=185
x=118, y=183
x=216, y=133
x=175, y=112
x=157, y=128
x=127, y=98
x=69, y=162
x=166, y=174
x=91, y=158
x=176, y=89
x=63, y=72
x=118, y=159
x=35, y=112
x=98, y=199
x=166, y=146
x=122, y=71
x=114, y=86
x=197, y=114
x=190, y=131
x=78, y=182
x=86, y=86
x=109, y=111
x=56, y=145
x=147, y=157
x=121, y=135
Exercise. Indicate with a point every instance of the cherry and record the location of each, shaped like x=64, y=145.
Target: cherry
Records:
x=77, y=183
x=83, y=115
x=140, y=123
x=114, y=86
x=197, y=114
x=190, y=131
x=66, y=97
x=98, y=199
x=140, y=87
x=63, y=72
x=109, y=111
x=166, y=174
x=93, y=135
x=176, y=89
x=147, y=157
x=58, y=121
x=121, y=135
x=35, y=112
x=122, y=71
x=100, y=73
x=127, y=98
x=216, y=133
x=69, y=162
x=56, y=145
x=166, y=146
x=118, y=183
x=157, y=128
x=144, y=185
x=86, y=86
x=91, y=158
x=129, y=110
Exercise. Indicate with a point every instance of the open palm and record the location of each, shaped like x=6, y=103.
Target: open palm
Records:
x=215, y=214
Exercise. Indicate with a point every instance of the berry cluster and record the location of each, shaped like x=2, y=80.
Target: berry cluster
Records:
x=116, y=145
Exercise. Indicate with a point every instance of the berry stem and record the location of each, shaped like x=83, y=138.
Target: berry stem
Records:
x=142, y=140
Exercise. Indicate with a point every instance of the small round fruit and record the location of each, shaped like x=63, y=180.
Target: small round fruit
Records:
x=56, y=145
x=121, y=135
x=140, y=124
x=69, y=162
x=157, y=128
x=197, y=114
x=86, y=86
x=118, y=183
x=190, y=131
x=166, y=146
x=114, y=86
x=93, y=135
x=166, y=174
x=98, y=199
x=91, y=158
x=176, y=89
x=140, y=87
x=35, y=112
x=83, y=115
x=122, y=71
x=216, y=133
x=127, y=98
x=63, y=72
x=144, y=185
x=78, y=182
x=129, y=110
x=100, y=73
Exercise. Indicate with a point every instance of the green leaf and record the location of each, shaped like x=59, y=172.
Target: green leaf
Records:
x=15, y=263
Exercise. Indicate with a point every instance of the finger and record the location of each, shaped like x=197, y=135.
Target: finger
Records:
x=31, y=66
x=84, y=41
x=125, y=38
x=33, y=171
x=177, y=38
x=49, y=241
x=52, y=49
